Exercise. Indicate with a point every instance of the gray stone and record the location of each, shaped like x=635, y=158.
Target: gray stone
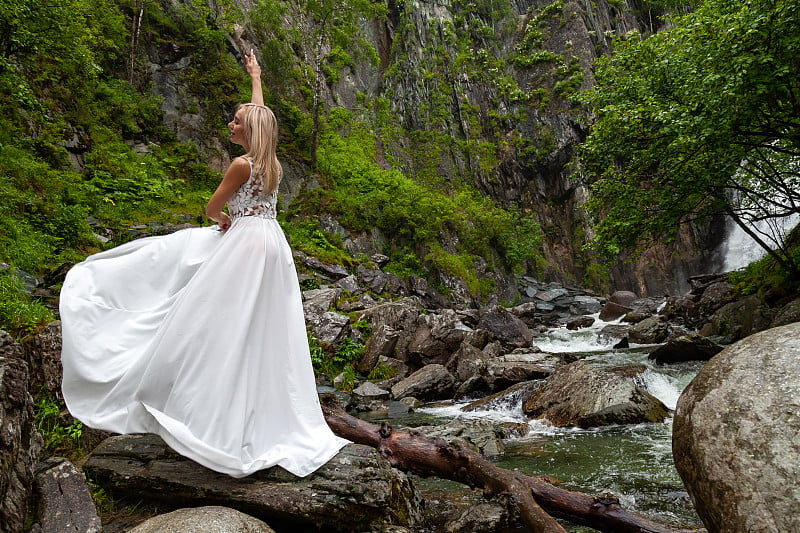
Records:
x=64, y=502
x=691, y=347
x=209, y=519
x=505, y=327
x=329, y=327
x=349, y=284
x=580, y=395
x=466, y=362
x=579, y=322
x=431, y=382
x=481, y=436
x=20, y=443
x=317, y=301
x=612, y=334
x=651, y=330
x=501, y=372
x=357, y=486
x=486, y=517
x=380, y=344
x=370, y=391
x=585, y=305
x=736, y=435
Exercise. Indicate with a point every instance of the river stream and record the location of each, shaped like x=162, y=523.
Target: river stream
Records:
x=633, y=463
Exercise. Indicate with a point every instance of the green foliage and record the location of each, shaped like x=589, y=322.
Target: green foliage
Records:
x=694, y=121
x=19, y=314
x=381, y=371
x=341, y=361
x=412, y=216
x=61, y=433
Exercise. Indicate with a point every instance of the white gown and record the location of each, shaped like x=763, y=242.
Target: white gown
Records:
x=199, y=336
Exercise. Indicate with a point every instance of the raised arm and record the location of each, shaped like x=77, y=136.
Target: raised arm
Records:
x=253, y=68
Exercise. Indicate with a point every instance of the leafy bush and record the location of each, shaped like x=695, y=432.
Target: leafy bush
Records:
x=61, y=434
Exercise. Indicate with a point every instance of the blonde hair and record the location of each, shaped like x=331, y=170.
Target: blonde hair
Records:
x=261, y=128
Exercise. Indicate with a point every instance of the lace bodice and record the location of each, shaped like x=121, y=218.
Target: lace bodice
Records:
x=249, y=199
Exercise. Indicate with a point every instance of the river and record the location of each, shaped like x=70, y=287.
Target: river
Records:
x=632, y=462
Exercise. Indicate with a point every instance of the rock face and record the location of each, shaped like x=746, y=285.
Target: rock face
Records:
x=20, y=443
x=354, y=491
x=580, y=395
x=431, y=382
x=210, y=519
x=736, y=435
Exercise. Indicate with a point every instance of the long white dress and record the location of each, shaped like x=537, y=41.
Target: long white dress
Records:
x=199, y=336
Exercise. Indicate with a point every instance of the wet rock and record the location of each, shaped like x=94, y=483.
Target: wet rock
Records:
x=690, y=347
x=431, y=382
x=63, y=500
x=505, y=327
x=20, y=443
x=735, y=435
x=585, y=305
x=651, y=330
x=437, y=336
x=617, y=305
x=579, y=322
x=580, y=395
x=510, y=397
x=209, y=519
x=356, y=490
x=612, y=334
x=380, y=344
x=738, y=319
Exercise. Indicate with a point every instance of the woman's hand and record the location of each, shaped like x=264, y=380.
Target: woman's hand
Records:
x=254, y=70
x=224, y=223
x=251, y=65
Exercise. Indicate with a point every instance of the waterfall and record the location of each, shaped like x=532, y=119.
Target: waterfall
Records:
x=740, y=249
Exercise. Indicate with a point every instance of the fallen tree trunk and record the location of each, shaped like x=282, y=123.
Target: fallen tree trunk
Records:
x=536, y=500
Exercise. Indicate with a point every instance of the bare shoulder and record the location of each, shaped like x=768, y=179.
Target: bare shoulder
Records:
x=239, y=169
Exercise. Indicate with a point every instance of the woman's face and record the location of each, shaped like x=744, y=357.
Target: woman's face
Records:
x=236, y=126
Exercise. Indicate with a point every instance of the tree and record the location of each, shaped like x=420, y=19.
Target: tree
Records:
x=702, y=119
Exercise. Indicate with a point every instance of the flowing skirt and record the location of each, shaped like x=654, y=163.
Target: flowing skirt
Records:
x=199, y=337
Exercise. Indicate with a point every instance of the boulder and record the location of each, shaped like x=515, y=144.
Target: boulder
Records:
x=617, y=305
x=380, y=344
x=356, y=490
x=20, y=443
x=466, y=362
x=735, y=435
x=651, y=330
x=439, y=335
x=369, y=397
x=431, y=382
x=611, y=334
x=501, y=372
x=505, y=327
x=738, y=319
x=209, y=519
x=579, y=322
x=585, y=305
x=690, y=347
x=580, y=395
x=317, y=301
x=64, y=504
x=328, y=327
x=714, y=296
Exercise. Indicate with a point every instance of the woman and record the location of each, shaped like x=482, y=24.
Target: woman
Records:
x=199, y=336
